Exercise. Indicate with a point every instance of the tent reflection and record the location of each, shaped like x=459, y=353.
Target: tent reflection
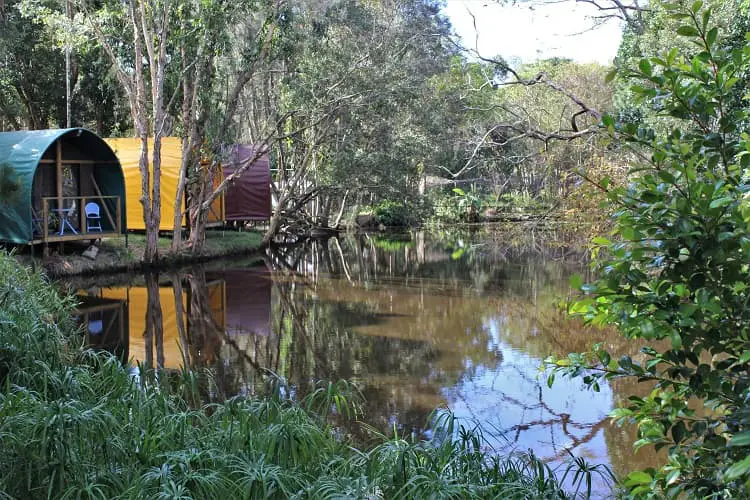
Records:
x=105, y=322
x=198, y=312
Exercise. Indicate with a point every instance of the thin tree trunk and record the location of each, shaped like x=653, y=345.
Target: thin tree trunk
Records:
x=141, y=116
x=337, y=222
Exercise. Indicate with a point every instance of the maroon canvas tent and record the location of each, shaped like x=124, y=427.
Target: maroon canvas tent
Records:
x=249, y=196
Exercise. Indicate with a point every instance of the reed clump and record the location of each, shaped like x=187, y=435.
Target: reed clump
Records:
x=76, y=424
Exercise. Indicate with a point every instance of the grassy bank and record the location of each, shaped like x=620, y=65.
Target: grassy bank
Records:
x=115, y=256
x=75, y=424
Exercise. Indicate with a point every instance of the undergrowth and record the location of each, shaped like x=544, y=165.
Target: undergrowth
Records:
x=75, y=423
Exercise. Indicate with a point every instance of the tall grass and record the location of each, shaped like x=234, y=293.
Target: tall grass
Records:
x=75, y=424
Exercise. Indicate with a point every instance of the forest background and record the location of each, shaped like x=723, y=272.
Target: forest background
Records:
x=365, y=108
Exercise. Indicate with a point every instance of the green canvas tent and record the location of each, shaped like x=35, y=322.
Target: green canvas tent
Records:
x=59, y=185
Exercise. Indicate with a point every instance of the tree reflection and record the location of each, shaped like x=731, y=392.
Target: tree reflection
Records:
x=154, y=332
x=434, y=324
x=418, y=322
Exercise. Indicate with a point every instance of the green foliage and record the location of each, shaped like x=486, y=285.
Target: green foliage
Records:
x=393, y=214
x=31, y=72
x=33, y=320
x=658, y=34
x=675, y=271
x=457, y=206
x=361, y=73
x=468, y=201
x=74, y=423
x=445, y=208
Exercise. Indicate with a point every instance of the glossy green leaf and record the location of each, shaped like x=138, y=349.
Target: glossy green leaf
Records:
x=738, y=469
x=638, y=477
x=576, y=281
x=687, y=30
x=741, y=439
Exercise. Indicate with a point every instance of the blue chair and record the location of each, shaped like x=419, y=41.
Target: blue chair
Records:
x=93, y=217
x=95, y=327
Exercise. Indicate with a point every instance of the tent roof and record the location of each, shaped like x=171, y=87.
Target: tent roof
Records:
x=20, y=153
x=19, y=149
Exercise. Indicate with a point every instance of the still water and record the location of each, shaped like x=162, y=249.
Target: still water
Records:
x=418, y=322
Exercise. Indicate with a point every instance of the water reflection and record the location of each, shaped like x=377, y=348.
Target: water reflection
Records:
x=417, y=322
x=106, y=324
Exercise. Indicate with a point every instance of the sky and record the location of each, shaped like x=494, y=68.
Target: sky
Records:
x=520, y=33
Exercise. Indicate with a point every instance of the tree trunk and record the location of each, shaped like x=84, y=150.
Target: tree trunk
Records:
x=192, y=131
x=155, y=219
x=274, y=225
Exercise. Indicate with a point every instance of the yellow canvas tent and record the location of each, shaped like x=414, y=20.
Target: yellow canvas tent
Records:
x=128, y=150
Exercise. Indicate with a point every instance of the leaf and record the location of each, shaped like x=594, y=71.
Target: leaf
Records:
x=676, y=340
x=745, y=357
x=645, y=66
x=673, y=476
x=621, y=413
x=741, y=439
x=599, y=240
x=721, y=202
x=678, y=431
x=711, y=36
x=637, y=478
x=576, y=281
x=686, y=30
x=688, y=309
x=738, y=469
x=610, y=76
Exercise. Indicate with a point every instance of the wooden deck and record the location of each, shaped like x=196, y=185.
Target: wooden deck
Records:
x=56, y=238
x=61, y=225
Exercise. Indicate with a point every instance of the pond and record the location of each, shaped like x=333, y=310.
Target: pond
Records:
x=417, y=321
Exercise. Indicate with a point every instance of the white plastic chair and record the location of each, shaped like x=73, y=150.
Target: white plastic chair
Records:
x=93, y=217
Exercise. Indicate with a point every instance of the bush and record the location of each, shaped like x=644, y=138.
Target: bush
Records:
x=676, y=272
x=456, y=206
x=393, y=214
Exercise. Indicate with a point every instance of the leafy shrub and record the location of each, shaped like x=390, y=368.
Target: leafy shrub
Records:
x=677, y=272
x=33, y=321
x=456, y=206
x=393, y=214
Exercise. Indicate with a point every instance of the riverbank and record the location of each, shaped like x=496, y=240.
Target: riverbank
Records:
x=113, y=256
x=77, y=423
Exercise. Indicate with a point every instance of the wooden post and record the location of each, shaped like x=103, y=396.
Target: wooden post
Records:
x=58, y=163
x=118, y=215
x=45, y=218
x=82, y=216
x=45, y=227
